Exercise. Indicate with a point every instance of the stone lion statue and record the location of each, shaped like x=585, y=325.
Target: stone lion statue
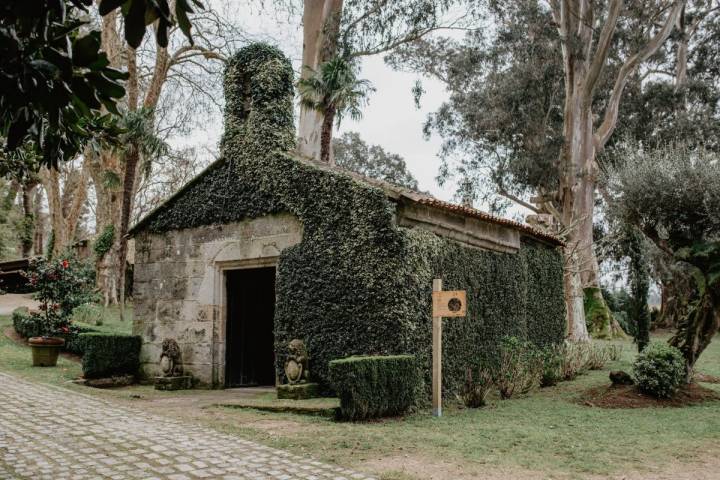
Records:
x=296, y=364
x=171, y=358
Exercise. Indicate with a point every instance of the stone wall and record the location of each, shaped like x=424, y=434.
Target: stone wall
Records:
x=179, y=287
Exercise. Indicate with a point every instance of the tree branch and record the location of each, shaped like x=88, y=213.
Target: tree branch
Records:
x=611, y=113
x=603, y=48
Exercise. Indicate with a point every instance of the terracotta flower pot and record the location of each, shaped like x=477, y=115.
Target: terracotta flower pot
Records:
x=45, y=350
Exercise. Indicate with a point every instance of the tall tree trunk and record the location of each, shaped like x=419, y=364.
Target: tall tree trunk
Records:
x=39, y=235
x=326, y=137
x=321, y=26
x=65, y=204
x=28, y=222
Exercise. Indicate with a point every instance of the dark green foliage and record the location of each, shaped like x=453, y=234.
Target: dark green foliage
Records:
x=104, y=241
x=659, y=370
x=54, y=80
x=377, y=386
x=27, y=325
x=352, y=153
x=357, y=284
x=73, y=343
x=139, y=14
x=108, y=354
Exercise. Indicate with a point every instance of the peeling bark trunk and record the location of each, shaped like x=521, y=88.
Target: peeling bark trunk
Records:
x=321, y=26
x=584, y=58
x=65, y=205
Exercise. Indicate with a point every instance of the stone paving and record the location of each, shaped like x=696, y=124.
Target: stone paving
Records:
x=53, y=433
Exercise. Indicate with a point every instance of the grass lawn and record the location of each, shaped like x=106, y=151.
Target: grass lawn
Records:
x=109, y=317
x=547, y=434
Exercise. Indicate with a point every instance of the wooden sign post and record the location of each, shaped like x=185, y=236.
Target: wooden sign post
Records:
x=444, y=304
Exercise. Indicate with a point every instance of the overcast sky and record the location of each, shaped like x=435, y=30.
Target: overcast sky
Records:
x=390, y=119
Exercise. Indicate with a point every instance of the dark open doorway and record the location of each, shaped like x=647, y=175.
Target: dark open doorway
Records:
x=249, y=348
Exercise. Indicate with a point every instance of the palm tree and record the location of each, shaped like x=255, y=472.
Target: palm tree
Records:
x=140, y=142
x=335, y=91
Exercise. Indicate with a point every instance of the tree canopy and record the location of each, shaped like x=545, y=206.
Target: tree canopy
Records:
x=354, y=154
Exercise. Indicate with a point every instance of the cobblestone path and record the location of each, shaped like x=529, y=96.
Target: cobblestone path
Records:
x=53, y=433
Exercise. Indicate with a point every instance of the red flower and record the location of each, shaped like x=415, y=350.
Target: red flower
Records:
x=65, y=264
x=65, y=329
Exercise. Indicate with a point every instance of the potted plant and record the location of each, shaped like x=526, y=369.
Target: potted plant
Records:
x=59, y=287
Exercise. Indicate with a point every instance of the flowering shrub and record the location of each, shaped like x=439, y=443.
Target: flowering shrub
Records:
x=60, y=285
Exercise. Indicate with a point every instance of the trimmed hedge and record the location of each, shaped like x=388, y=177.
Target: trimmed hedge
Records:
x=356, y=284
x=107, y=354
x=375, y=386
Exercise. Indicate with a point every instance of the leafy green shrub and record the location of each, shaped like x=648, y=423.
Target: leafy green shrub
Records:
x=60, y=286
x=475, y=390
x=106, y=354
x=520, y=367
x=659, y=370
x=375, y=386
x=73, y=343
x=27, y=325
x=552, y=366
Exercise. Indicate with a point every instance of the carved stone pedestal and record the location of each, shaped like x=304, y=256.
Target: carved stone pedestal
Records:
x=183, y=382
x=299, y=391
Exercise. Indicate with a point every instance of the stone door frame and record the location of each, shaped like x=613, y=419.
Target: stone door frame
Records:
x=220, y=294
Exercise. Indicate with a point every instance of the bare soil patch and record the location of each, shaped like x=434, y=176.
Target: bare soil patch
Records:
x=628, y=396
x=704, y=378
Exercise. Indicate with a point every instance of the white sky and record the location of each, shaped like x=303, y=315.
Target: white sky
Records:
x=390, y=119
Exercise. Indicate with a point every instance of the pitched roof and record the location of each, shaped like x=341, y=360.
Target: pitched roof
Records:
x=394, y=192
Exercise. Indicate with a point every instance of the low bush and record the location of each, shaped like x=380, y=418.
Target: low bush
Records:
x=576, y=359
x=27, y=325
x=107, y=354
x=519, y=369
x=375, y=386
x=552, y=366
x=659, y=370
x=475, y=389
x=73, y=344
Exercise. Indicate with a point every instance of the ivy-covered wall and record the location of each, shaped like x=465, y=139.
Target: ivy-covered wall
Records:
x=356, y=284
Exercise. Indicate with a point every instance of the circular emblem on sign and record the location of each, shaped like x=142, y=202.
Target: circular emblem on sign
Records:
x=454, y=304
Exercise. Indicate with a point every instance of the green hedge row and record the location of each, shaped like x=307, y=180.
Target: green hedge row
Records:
x=25, y=325
x=107, y=354
x=28, y=326
x=375, y=386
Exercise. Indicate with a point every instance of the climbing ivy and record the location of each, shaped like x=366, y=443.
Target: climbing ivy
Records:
x=104, y=241
x=356, y=284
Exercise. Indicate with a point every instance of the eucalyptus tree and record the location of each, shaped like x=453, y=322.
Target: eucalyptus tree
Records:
x=672, y=195
x=537, y=92
x=334, y=91
x=354, y=154
x=355, y=28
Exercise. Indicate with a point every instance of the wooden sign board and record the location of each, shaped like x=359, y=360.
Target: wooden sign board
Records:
x=449, y=303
